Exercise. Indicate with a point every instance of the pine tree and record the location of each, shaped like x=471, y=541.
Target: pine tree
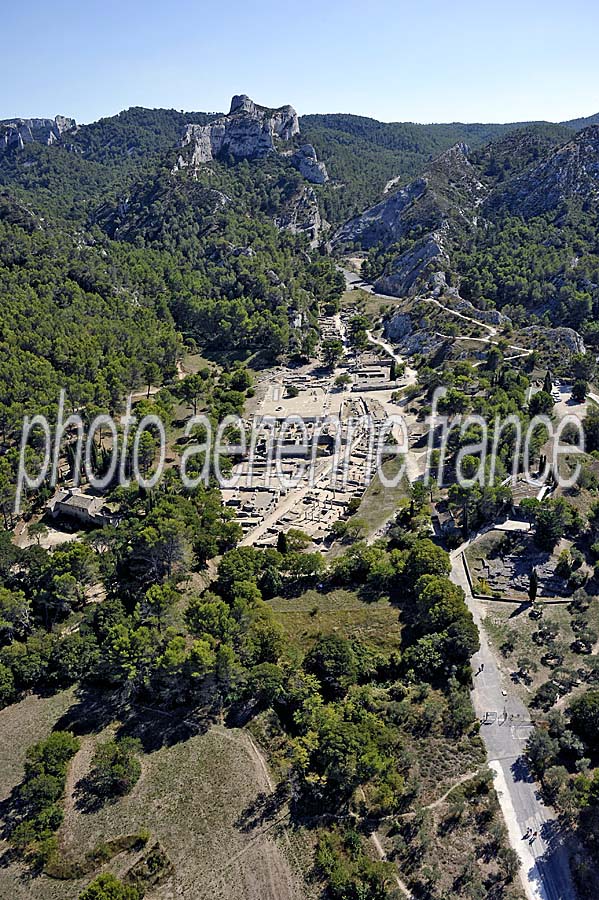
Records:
x=533, y=586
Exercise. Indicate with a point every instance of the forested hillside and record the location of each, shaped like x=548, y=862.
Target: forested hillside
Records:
x=105, y=260
x=511, y=225
x=124, y=247
x=363, y=155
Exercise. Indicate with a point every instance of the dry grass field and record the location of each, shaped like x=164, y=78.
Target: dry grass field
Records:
x=313, y=613
x=197, y=796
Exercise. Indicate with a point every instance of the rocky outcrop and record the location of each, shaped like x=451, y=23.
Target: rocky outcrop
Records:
x=449, y=190
x=307, y=164
x=489, y=316
x=249, y=131
x=301, y=215
x=398, y=326
x=284, y=121
x=409, y=270
x=566, y=340
x=15, y=133
x=425, y=213
x=571, y=171
x=409, y=335
x=383, y=222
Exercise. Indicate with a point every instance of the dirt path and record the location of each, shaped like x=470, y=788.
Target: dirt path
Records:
x=383, y=857
x=270, y=876
x=78, y=768
x=463, y=779
x=411, y=374
x=490, y=328
x=520, y=351
x=261, y=762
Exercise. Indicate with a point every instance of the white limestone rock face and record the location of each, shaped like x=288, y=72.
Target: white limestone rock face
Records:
x=411, y=269
x=568, y=172
x=283, y=120
x=301, y=215
x=307, y=164
x=250, y=131
x=384, y=221
x=398, y=326
x=15, y=133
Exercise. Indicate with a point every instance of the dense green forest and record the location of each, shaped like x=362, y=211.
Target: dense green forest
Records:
x=112, y=265
x=528, y=245
x=95, y=288
x=362, y=155
x=114, y=262
x=548, y=265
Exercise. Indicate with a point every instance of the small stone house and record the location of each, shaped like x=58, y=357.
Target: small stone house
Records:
x=74, y=504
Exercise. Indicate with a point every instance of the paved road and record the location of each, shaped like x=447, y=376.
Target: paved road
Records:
x=545, y=868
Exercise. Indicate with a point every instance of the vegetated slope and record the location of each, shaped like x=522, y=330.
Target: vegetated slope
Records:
x=569, y=172
x=238, y=280
x=577, y=124
x=108, y=249
x=76, y=314
x=525, y=239
x=134, y=133
x=190, y=797
x=362, y=154
x=450, y=188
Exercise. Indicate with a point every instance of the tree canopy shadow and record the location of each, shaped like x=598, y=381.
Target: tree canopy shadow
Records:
x=94, y=710
x=520, y=770
x=156, y=729
x=265, y=809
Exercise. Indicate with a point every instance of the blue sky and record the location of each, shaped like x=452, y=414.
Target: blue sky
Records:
x=423, y=61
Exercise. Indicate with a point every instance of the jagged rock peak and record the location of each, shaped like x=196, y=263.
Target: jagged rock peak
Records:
x=250, y=131
x=241, y=102
x=284, y=119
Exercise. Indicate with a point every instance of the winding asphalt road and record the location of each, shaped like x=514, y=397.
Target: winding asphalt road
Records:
x=545, y=869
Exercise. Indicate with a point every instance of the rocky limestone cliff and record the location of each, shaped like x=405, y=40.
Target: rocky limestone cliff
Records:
x=383, y=222
x=249, y=131
x=409, y=334
x=307, y=164
x=15, y=133
x=426, y=212
x=409, y=270
x=567, y=341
